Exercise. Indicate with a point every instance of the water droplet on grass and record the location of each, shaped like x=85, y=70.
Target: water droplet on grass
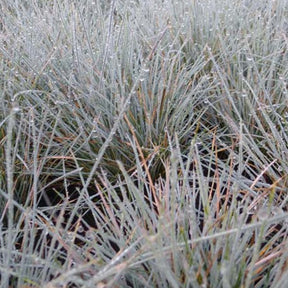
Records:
x=16, y=109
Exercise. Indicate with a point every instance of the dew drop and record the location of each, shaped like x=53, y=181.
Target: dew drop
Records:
x=16, y=109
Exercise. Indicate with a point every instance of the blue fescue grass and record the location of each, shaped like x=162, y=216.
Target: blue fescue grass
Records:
x=143, y=143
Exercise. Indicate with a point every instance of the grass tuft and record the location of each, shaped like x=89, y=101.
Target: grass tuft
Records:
x=143, y=143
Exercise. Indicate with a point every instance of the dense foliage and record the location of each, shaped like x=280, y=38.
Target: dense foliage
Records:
x=143, y=143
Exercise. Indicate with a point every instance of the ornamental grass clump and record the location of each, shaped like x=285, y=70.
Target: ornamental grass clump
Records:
x=143, y=143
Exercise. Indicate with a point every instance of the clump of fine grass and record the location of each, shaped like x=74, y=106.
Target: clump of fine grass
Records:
x=143, y=143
